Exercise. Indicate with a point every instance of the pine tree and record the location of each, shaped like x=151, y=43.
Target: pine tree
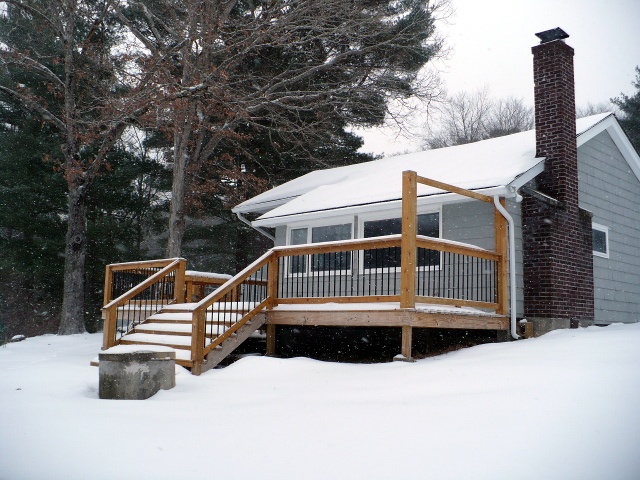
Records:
x=59, y=65
x=630, y=106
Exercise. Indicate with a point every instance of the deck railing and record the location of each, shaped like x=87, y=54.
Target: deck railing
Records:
x=136, y=290
x=368, y=270
x=220, y=314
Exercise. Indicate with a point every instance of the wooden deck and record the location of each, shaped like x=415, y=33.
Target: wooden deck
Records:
x=404, y=280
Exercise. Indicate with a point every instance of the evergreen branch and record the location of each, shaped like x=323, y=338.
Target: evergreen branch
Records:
x=34, y=11
x=31, y=104
x=25, y=60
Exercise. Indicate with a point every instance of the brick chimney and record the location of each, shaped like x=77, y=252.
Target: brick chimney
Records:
x=558, y=257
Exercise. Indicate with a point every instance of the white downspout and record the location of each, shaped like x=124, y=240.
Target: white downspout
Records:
x=258, y=229
x=512, y=265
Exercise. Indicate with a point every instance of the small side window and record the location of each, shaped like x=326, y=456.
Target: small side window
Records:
x=600, y=240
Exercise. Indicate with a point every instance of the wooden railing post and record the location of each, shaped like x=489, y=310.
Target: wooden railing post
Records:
x=109, y=328
x=197, y=337
x=272, y=281
x=502, y=284
x=108, y=285
x=179, y=286
x=408, y=243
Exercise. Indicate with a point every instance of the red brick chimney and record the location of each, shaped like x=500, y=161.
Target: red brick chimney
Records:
x=558, y=257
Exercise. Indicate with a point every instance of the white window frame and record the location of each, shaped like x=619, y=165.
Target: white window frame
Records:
x=605, y=230
x=389, y=215
x=342, y=220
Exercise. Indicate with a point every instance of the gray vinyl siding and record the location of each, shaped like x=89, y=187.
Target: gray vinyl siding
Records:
x=472, y=222
x=281, y=235
x=610, y=190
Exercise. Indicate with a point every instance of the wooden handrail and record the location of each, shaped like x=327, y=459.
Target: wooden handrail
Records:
x=234, y=282
x=110, y=309
x=143, y=264
x=385, y=242
x=455, y=247
x=199, y=311
x=143, y=285
x=339, y=246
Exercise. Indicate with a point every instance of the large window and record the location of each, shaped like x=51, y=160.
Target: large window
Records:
x=428, y=225
x=600, y=235
x=325, y=261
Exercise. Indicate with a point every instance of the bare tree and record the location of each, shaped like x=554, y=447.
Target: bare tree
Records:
x=594, y=108
x=509, y=115
x=87, y=99
x=293, y=68
x=471, y=117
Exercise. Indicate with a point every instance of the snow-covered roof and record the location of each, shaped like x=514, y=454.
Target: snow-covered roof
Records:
x=491, y=166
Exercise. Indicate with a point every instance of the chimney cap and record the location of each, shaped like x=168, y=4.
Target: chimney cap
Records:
x=551, y=35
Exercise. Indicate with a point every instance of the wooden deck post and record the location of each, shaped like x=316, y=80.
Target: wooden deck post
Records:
x=408, y=244
x=407, y=337
x=502, y=285
x=179, y=286
x=271, y=340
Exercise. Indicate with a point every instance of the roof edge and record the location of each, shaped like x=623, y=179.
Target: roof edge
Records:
x=431, y=199
x=611, y=125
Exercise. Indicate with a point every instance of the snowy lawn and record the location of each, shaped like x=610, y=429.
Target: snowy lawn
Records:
x=562, y=406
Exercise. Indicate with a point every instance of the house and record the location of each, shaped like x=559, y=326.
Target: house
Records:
x=572, y=188
x=540, y=227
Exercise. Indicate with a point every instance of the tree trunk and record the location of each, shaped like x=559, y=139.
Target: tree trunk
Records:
x=72, y=320
x=176, y=216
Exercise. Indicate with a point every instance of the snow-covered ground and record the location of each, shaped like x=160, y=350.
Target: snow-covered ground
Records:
x=562, y=406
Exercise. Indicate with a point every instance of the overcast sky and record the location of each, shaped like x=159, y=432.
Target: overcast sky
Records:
x=490, y=45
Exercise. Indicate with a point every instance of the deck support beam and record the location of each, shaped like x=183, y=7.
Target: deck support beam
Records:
x=407, y=336
x=271, y=340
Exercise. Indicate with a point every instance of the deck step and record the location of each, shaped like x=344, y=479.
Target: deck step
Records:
x=164, y=328
x=172, y=316
x=173, y=341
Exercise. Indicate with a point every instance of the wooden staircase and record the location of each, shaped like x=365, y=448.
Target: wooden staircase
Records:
x=173, y=327
x=152, y=308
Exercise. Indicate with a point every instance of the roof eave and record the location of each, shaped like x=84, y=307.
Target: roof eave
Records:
x=433, y=199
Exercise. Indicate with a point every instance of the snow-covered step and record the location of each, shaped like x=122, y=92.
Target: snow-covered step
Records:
x=184, y=355
x=175, y=341
x=179, y=307
x=186, y=318
x=175, y=328
x=233, y=306
x=178, y=341
x=172, y=316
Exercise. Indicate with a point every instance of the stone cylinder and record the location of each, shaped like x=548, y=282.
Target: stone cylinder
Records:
x=136, y=373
